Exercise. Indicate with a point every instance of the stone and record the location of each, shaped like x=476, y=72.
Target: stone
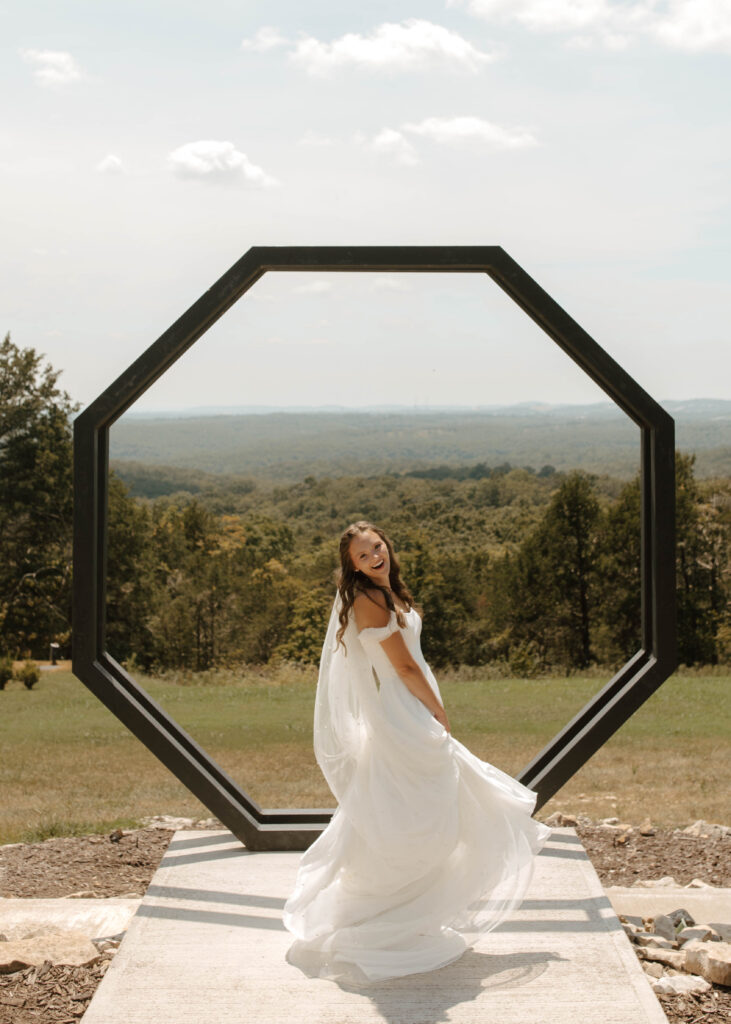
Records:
x=167, y=821
x=681, y=916
x=654, y=970
x=82, y=894
x=636, y=922
x=560, y=820
x=646, y=828
x=656, y=941
x=701, y=933
x=679, y=984
x=705, y=830
x=723, y=930
x=73, y=949
x=698, y=883
x=710, y=959
x=666, y=882
x=665, y=926
x=630, y=930
x=3, y=937
x=670, y=957
x=609, y=821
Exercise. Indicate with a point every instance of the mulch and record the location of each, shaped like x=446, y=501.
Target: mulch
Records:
x=124, y=863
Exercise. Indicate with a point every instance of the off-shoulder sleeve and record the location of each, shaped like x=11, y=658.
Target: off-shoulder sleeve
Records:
x=378, y=634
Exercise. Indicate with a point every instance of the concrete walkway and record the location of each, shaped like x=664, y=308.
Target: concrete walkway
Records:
x=207, y=945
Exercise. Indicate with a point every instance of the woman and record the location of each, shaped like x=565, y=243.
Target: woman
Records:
x=429, y=846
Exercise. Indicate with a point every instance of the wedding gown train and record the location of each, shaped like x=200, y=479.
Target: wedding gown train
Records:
x=429, y=847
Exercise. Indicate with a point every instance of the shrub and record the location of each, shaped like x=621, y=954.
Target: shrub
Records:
x=28, y=674
x=6, y=671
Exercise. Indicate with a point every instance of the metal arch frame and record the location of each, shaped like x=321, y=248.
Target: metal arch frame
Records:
x=649, y=667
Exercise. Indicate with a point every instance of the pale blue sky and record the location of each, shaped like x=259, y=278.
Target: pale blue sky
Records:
x=145, y=147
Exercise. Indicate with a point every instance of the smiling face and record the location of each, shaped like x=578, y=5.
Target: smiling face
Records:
x=369, y=554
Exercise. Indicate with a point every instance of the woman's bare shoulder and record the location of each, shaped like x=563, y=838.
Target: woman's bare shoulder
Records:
x=370, y=610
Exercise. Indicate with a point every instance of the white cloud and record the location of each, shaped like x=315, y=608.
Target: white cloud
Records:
x=53, y=67
x=267, y=38
x=390, y=143
x=311, y=138
x=111, y=164
x=459, y=129
x=217, y=161
x=389, y=284
x=690, y=25
x=409, y=46
x=696, y=25
x=316, y=287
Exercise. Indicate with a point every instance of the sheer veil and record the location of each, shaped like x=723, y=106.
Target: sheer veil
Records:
x=347, y=709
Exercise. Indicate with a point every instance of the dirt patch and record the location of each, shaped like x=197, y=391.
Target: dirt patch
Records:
x=95, y=865
x=124, y=863
x=682, y=856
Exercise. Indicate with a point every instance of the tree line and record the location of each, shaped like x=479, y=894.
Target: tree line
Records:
x=530, y=570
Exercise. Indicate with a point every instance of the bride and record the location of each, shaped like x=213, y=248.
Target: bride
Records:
x=429, y=846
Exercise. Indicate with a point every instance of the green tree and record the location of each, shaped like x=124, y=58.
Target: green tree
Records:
x=547, y=604
x=36, y=502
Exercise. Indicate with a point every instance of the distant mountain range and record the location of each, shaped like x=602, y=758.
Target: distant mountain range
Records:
x=289, y=444
x=693, y=407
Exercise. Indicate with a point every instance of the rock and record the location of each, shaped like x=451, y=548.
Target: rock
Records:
x=656, y=941
x=560, y=820
x=665, y=926
x=681, y=917
x=636, y=922
x=667, y=882
x=105, y=945
x=630, y=929
x=654, y=970
x=167, y=821
x=698, y=883
x=701, y=933
x=723, y=930
x=670, y=957
x=3, y=937
x=705, y=830
x=646, y=828
x=680, y=984
x=609, y=821
x=73, y=949
x=711, y=959
x=83, y=894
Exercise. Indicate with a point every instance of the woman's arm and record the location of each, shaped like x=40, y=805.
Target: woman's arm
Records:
x=412, y=677
x=373, y=614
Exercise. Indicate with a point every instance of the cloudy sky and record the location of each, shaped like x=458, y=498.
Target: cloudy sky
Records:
x=145, y=146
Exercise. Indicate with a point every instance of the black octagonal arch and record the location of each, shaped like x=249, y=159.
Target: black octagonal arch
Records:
x=646, y=670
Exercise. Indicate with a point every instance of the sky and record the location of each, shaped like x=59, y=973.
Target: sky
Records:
x=144, y=147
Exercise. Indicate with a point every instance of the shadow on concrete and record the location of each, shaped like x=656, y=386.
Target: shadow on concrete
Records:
x=428, y=998
x=236, y=899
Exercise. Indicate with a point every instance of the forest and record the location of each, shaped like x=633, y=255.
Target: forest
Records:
x=525, y=568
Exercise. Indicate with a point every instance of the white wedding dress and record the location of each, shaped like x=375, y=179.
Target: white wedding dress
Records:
x=429, y=847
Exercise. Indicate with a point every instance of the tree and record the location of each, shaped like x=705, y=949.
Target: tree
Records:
x=36, y=502
x=547, y=600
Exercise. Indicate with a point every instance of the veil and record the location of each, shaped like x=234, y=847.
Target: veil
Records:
x=347, y=709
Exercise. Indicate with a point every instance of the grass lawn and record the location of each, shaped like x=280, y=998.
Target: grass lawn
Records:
x=68, y=766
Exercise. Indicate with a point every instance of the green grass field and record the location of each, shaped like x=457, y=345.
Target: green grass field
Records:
x=69, y=767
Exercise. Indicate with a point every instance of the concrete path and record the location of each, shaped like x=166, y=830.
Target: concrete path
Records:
x=207, y=945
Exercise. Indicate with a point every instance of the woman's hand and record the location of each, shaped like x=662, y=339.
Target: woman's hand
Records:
x=441, y=716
